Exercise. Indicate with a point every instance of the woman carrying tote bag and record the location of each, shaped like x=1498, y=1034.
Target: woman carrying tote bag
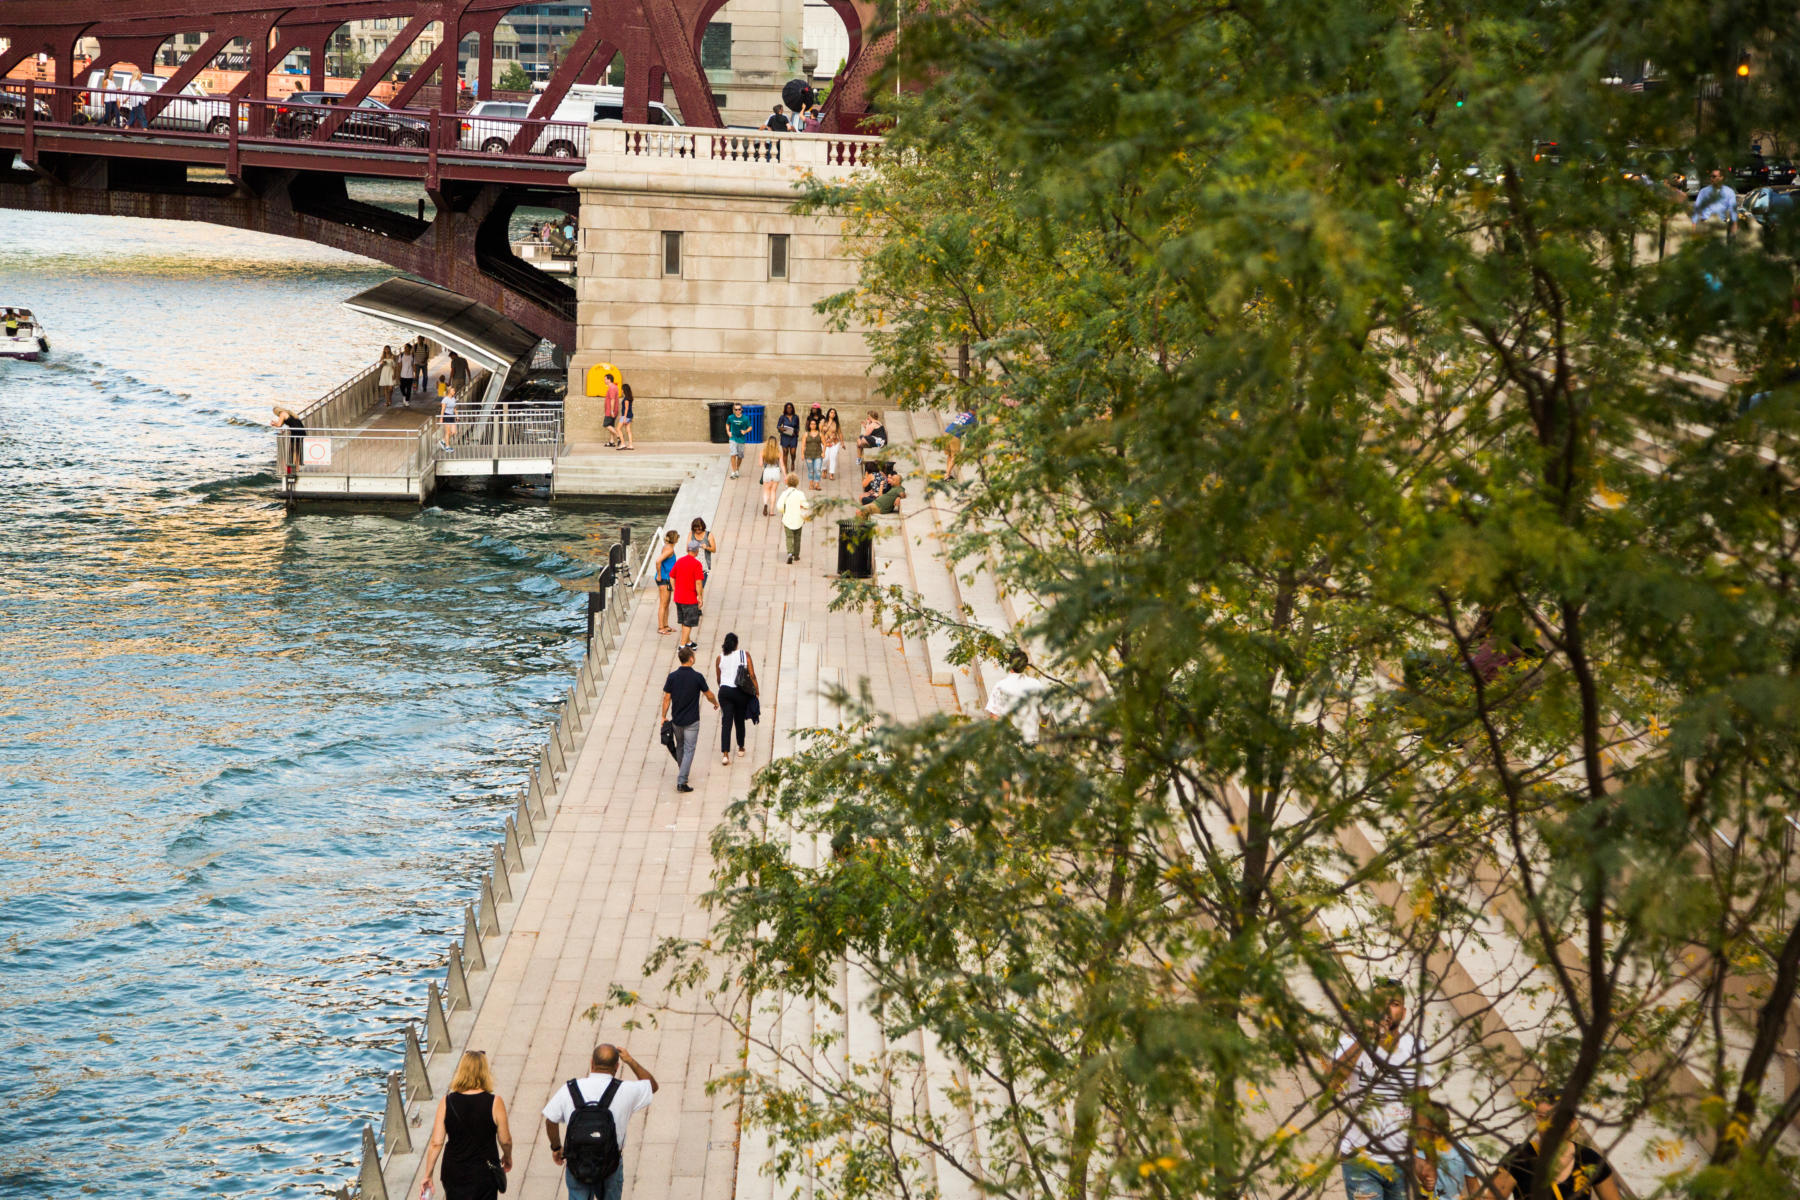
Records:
x=738, y=700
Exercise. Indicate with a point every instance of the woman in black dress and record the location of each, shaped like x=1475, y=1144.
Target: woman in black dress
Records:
x=471, y=1133
x=1578, y=1172
x=788, y=426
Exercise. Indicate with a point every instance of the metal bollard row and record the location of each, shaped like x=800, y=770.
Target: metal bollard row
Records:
x=481, y=918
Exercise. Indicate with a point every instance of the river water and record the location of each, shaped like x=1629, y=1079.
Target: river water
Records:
x=251, y=764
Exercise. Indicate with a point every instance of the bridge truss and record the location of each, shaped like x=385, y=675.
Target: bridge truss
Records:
x=248, y=159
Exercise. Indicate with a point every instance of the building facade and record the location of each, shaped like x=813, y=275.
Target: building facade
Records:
x=698, y=281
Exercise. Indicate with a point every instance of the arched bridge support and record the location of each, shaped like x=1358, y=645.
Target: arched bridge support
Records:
x=465, y=246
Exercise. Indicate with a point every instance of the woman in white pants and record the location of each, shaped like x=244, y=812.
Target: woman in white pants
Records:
x=834, y=440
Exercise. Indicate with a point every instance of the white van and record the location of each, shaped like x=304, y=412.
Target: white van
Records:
x=490, y=125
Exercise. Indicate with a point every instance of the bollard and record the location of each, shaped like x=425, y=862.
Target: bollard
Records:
x=418, y=1079
x=559, y=762
x=572, y=705
x=395, y=1137
x=515, y=856
x=597, y=651
x=565, y=732
x=490, y=912
x=437, y=1025
x=472, y=940
x=527, y=834
x=370, y=1185
x=547, y=765
x=534, y=796
x=502, y=885
x=456, y=980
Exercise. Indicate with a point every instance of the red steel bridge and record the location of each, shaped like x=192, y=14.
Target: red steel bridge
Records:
x=255, y=161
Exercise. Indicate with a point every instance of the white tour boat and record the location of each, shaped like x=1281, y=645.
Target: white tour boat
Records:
x=21, y=336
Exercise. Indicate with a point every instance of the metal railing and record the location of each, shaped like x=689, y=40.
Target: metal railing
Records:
x=505, y=433
x=429, y=1047
x=341, y=407
x=196, y=115
x=395, y=453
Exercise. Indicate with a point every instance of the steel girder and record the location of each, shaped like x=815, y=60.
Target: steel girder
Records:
x=659, y=38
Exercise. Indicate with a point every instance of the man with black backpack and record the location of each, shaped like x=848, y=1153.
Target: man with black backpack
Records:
x=596, y=1111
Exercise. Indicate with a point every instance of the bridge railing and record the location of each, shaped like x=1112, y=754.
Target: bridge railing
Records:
x=344, y=405
x=508, y=432
x=357, y=453
x=510, y=137
x=235, y=121
x=803, y=151
x=288, y=121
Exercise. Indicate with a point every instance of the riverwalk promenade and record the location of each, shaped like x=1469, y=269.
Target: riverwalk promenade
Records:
x=624, y=860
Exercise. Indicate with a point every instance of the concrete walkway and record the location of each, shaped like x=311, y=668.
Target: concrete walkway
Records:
x=625, y=857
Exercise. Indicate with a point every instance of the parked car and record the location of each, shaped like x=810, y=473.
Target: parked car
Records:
x=12, y=107
x=192, y=108
x=1757, y=171
x=299, y=115
x=489, y=125
x=1769, y=205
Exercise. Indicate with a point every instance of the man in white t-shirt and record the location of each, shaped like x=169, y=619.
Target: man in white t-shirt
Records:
x=630, y=1096
x=1386, y=1074
x=1019, y=697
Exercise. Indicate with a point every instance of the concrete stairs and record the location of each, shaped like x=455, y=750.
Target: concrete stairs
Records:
x=812, y=1047
x=626, y=472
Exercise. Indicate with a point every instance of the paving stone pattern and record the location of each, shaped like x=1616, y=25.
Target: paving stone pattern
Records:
x=625, y=858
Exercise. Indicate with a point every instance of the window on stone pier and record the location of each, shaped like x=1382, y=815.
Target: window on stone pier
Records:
x=778, y=256
x=671, y=253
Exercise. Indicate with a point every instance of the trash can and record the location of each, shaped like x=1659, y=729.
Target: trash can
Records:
x=755, y=413
x=716, y=412
x=856, y=549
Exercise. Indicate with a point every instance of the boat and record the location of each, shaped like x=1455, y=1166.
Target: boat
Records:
x=21, y=335
x=546, y=256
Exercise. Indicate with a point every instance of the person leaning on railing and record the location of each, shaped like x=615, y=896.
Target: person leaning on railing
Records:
x=289, y=432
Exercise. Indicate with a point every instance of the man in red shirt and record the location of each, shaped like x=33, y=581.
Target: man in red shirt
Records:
x=688, y=584
x=612, y=412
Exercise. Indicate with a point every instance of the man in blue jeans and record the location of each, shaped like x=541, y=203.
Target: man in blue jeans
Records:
x=630, y=1096
x=1386, y=1075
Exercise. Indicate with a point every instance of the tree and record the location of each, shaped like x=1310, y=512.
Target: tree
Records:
x=514, y=79
x=1412, y=612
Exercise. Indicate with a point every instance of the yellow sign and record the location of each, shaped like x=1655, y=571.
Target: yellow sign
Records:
x=597, y=378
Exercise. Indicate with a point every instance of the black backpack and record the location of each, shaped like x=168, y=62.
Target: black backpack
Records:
x=591, y=1144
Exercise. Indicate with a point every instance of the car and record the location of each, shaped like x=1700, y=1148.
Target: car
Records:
x=1768, y=205
x=1757, y=171
x=298, y=116
x=1655, y=164
x=12, y=107
x=489, y=125
x=193, y=108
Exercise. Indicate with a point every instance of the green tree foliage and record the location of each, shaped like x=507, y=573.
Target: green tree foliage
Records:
x=514, y=79
x=1413, y=607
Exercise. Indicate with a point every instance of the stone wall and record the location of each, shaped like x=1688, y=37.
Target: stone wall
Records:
x=722, y=329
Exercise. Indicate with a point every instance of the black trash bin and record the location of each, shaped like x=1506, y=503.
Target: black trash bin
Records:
x=716, y=412
x=856, y=549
